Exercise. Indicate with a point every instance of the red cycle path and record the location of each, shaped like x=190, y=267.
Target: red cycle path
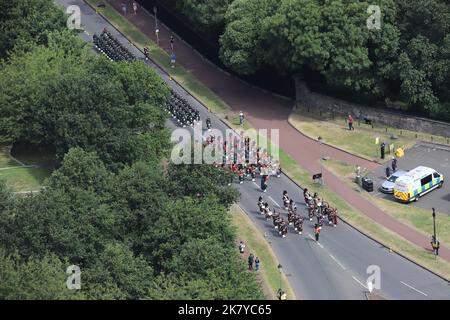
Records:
x=266, y=111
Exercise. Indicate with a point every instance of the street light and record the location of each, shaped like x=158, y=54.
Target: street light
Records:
x=320, y=160
x=434, y=242
x=155, y=10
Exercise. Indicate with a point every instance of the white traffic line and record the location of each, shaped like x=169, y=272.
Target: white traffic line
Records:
x=340, y=264
x=86, y=32
x=255, y=184
x=414, y=289
x=275, y=202
x=320, y=245
x=359, y=282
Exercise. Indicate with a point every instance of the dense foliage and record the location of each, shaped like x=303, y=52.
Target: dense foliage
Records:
x=62, y=96
x=407, y=60
x=131, y=237
x=137, y=229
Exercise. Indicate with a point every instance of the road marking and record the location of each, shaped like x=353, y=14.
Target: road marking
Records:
x=340, y=265
x=414, y=288
x=256, y=184
x=86, y=32
x=274, y=202
x=320, y=245
x=359, y=282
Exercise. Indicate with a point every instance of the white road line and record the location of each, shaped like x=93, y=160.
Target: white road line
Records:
x=255, y=184
x=275, y=202
x=414, y=288
x=320, y=245
x=359, y=282
x=340, y=264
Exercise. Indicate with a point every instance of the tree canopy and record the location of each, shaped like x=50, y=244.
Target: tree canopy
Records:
x=62, y=96
x=130, y=235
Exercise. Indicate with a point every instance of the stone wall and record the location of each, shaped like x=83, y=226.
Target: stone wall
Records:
x=378, y=116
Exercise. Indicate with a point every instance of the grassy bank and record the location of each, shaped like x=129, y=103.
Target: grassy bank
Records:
x=257, y=244
x=19, y=178
x=361, y=141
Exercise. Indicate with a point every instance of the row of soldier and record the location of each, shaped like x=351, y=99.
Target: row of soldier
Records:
x=241, y=157
x=316, y=208
x=181, y=111
x=112, y=48
x=320, y=209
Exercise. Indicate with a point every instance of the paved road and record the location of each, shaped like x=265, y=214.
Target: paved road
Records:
x=423, y=154
x=333, y=269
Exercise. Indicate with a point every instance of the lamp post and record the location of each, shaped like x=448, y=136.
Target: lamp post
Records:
x=155, y=10
x=434, y=244
x=320, y=160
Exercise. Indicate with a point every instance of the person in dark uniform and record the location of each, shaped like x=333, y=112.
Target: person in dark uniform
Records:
x=250, y=261
x=383, y=145
x=394, y=164
x=388, y=172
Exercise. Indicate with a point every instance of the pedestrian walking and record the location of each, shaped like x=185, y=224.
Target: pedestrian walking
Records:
x=350, y=122
x=382, y=146
x=279, y=292
x=257, y=264
x=241, y=118
x=172, y=40
x=394, y=164
x=435, y=244
x=124, y=8
x=388, y=172
x=250, y=261
x=264, y=179
x=335, y=217
x=135, y=7
x=241, y=247
x=317, y=232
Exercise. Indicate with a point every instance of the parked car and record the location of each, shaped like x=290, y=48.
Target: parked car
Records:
x=388, y=185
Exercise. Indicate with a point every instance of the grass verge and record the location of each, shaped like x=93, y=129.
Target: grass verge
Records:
x=361, y=141
x=255, y=241
x=161, y=57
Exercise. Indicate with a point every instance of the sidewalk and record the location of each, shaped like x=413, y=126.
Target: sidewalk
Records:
x=266, y=111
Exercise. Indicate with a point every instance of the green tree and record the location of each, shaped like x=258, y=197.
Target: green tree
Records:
x=28, y=20
x=327, y=37
x=205, y=16
x=58, y=97
x=35, y=279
